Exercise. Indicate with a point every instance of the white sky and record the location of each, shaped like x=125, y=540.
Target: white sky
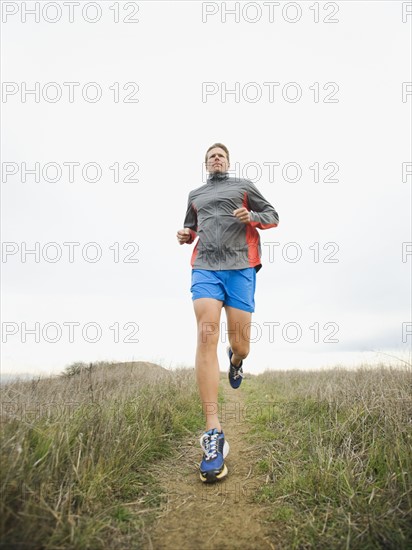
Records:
x=169, y=53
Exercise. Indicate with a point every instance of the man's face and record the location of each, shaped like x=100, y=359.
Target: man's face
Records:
x=217, y=161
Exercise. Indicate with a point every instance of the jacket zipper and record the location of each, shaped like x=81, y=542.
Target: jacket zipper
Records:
x=217, y=227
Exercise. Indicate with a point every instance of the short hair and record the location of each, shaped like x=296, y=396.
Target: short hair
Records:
x=225, y=149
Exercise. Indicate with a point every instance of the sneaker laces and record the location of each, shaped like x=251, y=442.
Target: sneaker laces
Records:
x=208, y=443
x=236, y=372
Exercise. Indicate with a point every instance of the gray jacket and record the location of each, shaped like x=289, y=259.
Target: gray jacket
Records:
x=224, y=241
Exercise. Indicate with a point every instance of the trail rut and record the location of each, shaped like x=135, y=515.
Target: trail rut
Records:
x=221, y=515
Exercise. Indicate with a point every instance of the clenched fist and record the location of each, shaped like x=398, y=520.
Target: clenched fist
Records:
x=183, y=235
x=242, y=214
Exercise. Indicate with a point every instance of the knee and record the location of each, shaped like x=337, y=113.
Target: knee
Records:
x=207, y=333
x=241, y=349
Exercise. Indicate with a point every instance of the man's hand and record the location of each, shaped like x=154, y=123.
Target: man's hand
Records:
x=183, y=235
x=242, y=214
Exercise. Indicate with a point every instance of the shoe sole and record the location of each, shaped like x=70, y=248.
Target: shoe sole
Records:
x=212, y=477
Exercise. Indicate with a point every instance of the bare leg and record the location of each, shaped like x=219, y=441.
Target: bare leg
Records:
x=238, y=327
x=208, y=312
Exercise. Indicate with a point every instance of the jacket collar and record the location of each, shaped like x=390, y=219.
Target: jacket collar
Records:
x=218, y=176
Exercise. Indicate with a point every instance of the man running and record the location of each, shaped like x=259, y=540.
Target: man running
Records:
x=225, y=214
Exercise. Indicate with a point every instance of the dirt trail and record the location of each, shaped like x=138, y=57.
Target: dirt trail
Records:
x=212, y=516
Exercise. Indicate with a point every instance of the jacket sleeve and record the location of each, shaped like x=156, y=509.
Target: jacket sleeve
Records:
x=263, y=215
x=191, y=220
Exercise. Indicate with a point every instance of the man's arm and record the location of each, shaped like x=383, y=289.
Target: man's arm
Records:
x=262, y=215
x=190, y=222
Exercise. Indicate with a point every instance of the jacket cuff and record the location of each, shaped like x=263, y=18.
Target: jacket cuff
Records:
x=193, y=236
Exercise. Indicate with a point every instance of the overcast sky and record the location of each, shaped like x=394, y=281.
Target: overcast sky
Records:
x=312, y=106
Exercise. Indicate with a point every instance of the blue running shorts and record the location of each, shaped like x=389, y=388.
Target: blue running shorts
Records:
x=234, y=287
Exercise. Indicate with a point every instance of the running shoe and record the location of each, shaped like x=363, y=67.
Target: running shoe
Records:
x=215, y=449
x=235, y=373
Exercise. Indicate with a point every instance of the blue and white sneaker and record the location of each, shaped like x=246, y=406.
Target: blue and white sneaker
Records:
x=235, y=373
x=215, y=450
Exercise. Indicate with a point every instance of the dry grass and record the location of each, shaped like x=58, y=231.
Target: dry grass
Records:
x=335, y=445
x=337, y=449
x=75, y=450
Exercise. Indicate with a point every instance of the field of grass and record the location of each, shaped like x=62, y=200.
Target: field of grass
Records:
x=336, y=446
x=75, y=451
